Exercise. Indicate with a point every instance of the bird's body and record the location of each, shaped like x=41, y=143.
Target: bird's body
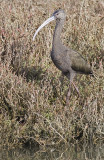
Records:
x=70, y=61
x=65, y=59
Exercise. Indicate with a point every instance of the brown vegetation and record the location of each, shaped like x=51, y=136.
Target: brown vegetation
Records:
x=32, y=100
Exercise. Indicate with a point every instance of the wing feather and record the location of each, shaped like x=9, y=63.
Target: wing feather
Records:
x=78, y=63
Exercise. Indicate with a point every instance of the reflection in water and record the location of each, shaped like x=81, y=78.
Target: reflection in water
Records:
x=71, y=152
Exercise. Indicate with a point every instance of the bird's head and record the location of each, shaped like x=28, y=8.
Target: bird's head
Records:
x=57, y=15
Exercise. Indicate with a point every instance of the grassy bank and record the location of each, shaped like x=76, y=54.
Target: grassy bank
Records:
x=32, y=98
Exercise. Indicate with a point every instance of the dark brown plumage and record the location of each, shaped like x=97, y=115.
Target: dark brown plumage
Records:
x=65, y=59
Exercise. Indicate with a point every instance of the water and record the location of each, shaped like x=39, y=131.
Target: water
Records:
x=71, y=152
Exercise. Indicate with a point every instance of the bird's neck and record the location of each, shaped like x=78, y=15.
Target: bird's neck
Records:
x=57, y=33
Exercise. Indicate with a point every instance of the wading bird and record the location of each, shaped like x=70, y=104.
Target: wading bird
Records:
x=65, y=59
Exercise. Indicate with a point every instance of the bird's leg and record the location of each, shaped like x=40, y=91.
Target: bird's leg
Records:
x=61, y=80
x=68, y=94
x=76, y=88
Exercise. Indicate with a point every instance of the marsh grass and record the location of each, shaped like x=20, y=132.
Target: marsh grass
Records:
x=32, y=98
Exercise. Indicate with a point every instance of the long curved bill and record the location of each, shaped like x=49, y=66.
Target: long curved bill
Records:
x=46, y=22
